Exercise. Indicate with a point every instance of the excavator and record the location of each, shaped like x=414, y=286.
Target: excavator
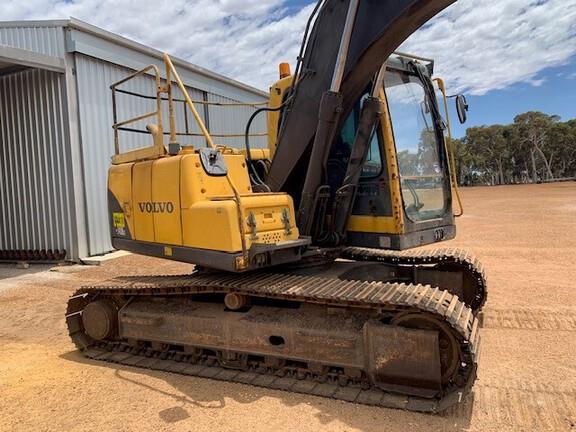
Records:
x=306, y=275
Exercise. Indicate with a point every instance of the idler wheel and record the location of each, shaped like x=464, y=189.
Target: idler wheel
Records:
x=471, y=293
x=448, y=345
x=100, y=319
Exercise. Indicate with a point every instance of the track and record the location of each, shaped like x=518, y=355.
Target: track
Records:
x=450, y=259
x=393, y=297
x=530, y=319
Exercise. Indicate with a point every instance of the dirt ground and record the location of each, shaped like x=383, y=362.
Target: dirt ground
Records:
x=526, y=237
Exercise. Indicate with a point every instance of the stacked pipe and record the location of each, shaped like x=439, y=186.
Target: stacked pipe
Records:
x=32, y=255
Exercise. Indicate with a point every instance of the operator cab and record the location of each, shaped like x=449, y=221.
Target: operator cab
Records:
x=419, y=148
x=404, y=197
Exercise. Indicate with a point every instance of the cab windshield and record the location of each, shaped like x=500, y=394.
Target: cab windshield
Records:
x=419, y=161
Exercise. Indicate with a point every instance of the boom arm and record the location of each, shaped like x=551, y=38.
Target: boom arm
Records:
x=319, y=107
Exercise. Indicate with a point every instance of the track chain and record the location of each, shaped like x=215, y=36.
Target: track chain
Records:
x=463, y=259
x=379, y=295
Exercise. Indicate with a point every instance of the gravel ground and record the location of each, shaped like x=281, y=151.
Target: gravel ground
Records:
x=526, y=237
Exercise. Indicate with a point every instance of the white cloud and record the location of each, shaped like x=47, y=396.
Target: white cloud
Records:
x=245, y=40
x=478, y=45
x=483, y=45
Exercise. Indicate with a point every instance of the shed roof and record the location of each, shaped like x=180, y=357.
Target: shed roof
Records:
x=55, y=38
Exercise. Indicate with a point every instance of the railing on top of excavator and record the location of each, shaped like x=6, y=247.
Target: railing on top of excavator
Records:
x=157, y=130
x=154, y=70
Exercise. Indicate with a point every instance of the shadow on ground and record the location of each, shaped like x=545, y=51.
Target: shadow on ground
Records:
x=201, y=393
x=9, y=270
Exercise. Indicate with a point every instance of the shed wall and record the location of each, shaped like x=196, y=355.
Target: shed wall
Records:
x=36, y=187
x=233, y=119
x=48, y=40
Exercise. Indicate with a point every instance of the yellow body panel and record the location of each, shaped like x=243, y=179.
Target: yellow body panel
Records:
x=213, y=224
x=373, y=224
x=267, y=210
x=173, y=201
x=142, y=194
x=277, y=92
x=197, y=185
x=120, y=177
x=165, y=196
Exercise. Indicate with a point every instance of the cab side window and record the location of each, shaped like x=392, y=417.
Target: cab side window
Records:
x=373, y=165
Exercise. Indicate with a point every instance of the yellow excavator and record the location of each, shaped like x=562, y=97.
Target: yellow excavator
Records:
x=306, y=278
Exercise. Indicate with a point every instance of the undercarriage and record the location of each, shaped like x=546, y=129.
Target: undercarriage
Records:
x=402, y=345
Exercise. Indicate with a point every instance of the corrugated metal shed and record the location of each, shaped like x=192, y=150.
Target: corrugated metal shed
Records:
x=225, y=120
x=39, y=37
x=56, y=138
x=35, y=163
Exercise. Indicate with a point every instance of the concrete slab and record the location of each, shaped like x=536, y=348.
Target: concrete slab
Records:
x=99, y=259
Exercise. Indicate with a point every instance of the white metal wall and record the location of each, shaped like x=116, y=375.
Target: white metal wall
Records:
x=36, y=184
x=48, y=40
x=232, y=120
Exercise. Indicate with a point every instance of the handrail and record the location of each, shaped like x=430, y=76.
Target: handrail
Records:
x=413, y=57
x=120, y=125
x=197, y=101
x=170, y=69
x=450, y=149
x=135, y=119
x=192, y=134
x=158, y=112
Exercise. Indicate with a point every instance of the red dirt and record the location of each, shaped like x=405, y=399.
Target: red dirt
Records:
x=526, y=237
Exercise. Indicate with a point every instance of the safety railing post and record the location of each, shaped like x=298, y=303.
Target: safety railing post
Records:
x=171, y=120
x=115, y=121
x=199, y=121
x=158, y=140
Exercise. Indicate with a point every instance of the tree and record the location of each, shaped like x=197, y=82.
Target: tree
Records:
x=562, y=145
x=536, y=146
x=491, y=143
x=532, y=129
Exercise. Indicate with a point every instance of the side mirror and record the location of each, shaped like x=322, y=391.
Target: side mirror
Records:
x=461, y=108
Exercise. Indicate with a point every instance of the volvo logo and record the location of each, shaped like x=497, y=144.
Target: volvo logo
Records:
x=156, y=207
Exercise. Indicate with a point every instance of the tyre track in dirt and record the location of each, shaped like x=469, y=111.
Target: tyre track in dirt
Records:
x=530, y=319
x=524, y=405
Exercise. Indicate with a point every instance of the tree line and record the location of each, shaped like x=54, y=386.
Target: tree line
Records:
x=536, y=147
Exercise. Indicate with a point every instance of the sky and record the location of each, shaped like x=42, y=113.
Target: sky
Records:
x=507, y=56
